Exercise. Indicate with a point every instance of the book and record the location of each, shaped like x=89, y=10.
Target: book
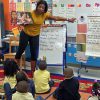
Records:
x=15, y=31
x=24, y=18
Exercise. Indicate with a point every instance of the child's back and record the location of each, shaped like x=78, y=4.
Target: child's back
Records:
x=22, y=92
x=10, y=70
x=42, y=78
x=68, y=88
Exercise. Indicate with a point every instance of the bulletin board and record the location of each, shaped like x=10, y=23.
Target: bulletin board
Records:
x=76, y=9
x=52, y=43
x=82, y=29
x=22, y=6
x=67, y=10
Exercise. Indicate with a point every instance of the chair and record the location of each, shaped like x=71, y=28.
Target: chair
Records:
x=14, y=42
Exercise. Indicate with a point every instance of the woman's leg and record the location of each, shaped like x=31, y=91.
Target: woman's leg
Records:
x=8, y=91
x=34, y=48
x=23, y=41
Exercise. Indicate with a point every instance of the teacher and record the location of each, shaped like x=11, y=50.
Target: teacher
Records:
x=30, y=33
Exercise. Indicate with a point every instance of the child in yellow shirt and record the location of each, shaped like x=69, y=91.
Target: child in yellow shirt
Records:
x=10, y=70
x=42, y=80
x=22, y=92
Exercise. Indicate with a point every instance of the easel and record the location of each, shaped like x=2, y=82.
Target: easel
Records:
x=60, y=47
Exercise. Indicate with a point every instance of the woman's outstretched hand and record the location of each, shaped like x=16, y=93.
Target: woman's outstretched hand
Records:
x=71, y=20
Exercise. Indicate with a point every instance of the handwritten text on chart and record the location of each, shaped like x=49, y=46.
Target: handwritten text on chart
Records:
x=93, y=36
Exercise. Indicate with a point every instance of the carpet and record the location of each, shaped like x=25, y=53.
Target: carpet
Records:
x=85, y=84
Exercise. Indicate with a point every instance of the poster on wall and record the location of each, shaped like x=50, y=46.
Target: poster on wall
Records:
x=58, y=4
x=93, y=36
x=66, y=10
x=17, y=6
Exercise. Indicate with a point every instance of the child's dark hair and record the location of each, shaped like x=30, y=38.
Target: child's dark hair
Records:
x=10, y=68
x=42, y=65
x=45, y=4
x=96, y=89
x=21, y=76
x=22, y=87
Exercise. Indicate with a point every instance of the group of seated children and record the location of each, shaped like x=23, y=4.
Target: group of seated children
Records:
x=18, y=86
x=12, y=77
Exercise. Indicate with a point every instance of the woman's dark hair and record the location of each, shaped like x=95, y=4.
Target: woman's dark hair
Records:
x=45, y=4
x=42, y=65
x=10, y=68
x=21, y=76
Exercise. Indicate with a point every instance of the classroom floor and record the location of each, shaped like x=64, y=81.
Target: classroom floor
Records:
x=84, y=96
x=91, y=74
x=88, y=73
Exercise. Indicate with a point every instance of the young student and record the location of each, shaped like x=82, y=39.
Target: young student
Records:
x=22, y=92
x=31, y=33
x=42, y=80
x=20, y=76
x=69, y=88
x=10, y=70
x=95, y=92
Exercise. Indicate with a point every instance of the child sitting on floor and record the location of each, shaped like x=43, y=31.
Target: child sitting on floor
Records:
x=20, y=76
x=69, y=88
x=10, y=70
x=42, y=80
x=95, y=92
x=22, y=92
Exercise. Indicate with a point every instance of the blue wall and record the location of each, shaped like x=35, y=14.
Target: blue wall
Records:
x=70, y=58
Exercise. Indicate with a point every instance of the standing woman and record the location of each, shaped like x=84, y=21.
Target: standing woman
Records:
x=30, y=33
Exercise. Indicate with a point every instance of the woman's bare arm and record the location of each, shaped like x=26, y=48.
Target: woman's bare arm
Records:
x=57, y=18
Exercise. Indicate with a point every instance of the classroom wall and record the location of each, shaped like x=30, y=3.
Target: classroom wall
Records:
x=6, y=13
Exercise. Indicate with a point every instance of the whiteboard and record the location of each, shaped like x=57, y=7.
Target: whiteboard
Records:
x=52, y=44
